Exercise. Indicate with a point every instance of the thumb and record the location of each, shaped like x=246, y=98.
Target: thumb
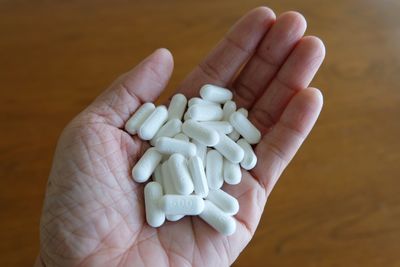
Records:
x=143, y=83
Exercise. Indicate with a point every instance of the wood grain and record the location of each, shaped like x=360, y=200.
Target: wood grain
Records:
x=338, y=204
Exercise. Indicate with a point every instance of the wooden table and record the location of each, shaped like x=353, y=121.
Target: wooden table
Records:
x=338, y=204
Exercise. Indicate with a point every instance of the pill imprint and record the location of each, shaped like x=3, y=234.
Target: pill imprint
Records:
x=182, y=205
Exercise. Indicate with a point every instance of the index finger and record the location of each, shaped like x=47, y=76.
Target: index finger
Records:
x=226, y=59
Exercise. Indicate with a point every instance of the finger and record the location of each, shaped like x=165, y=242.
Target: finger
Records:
x=221, y=65
x=142, y=84
x=278, y=146
x=296, y=74
x=270, y=55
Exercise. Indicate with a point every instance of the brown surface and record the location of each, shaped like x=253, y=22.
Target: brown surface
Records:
x=338, y=204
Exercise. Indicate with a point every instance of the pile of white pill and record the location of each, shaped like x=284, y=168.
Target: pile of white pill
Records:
x=190, y=160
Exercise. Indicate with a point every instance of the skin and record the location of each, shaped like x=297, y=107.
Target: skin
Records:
x=93, y=213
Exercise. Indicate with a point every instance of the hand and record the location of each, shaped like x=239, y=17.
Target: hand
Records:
x=94, y=213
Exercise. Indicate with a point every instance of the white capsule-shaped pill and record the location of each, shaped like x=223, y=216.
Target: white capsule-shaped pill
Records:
x=153, y=123
x=204, y=135
x=182, y=136
x=196, y=168
x=177, y=107
x=224, y=201
x=199, y=101
x=169, y=188
x=244, y=111
x=170, y=129
x=137, y=119
x=146, y=165
x=245, y=128
x=180, y=174
x=228, y=109
x=218, y=219
x=168, y=145
x=215, y=93
x=201, y=150
x=155, y=216
x=229, y=149
x=205, y=112
x=250, y=159
x=214, y=169
x=219, y=126
x=232, y=172
x=181, y=205
x=235, y=135
x=157, y=175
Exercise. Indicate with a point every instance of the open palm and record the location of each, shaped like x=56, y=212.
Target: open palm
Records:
x=94, y=212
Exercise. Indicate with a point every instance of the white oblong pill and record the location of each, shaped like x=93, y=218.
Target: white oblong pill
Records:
x=167, y=145
x=244, y=111
x=250, y=159
x=182, y=136
x=181, y=205
x=168, y=188
x=229, y=149
x=157, y=175
x=234, y=135
x=137, y=119
x=204, y=135
x=155, y=217
x=153, y=123
x=205, y=112
x=146, y=165
x=196, y=168
x=214, y=169
x=201, y=150
x=245, y=128
x=198, y=100
x=228, y=109
x=180, y=174
x=215, y=93
x=218, y=219
x=232, y=172
x=177, y=107
x=224, y=201
x=171, y=128
x=219, y=126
